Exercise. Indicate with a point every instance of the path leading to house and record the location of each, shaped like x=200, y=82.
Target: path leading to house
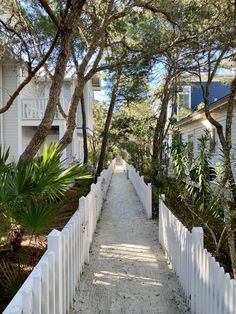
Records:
x=128, y=273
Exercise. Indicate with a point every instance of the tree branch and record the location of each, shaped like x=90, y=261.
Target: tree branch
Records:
x=29, y=77
x=12, y=30
x=50, y=13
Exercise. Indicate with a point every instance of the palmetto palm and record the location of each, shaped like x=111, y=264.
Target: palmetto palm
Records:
x=30, y=193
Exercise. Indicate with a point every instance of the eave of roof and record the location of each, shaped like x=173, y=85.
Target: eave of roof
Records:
x=199, y=114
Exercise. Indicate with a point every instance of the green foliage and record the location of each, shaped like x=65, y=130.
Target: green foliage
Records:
x=183, y=112
x=30, y=193
x=194, y=186
x=180, y=156
x=131, y=131
x=200, y=106
x=99, y=117
x=4, y=154
x=12, y=277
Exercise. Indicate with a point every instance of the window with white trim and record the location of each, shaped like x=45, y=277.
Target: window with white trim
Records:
x=184, y=96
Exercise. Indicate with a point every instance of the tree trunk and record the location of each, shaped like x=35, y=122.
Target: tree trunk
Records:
x=231, y=237
x=71, y=118
x=65, y=48
x=106, y=130
x=160, y=130
x=226, y=143
x=158, y=144
x=15, y=237
x=84, y=129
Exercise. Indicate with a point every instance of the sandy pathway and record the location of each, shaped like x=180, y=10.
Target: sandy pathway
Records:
x=127, y=272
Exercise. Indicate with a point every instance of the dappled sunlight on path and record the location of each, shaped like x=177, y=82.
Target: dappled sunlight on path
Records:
x=128, y=272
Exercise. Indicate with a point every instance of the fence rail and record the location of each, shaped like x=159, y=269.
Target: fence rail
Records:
x=209, y=290
x=51, y=286
x=143, y=190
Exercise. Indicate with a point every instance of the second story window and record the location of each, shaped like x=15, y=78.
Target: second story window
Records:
x=184, y=96
x=96, y=83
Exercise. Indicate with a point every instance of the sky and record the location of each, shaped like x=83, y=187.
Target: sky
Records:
x=155, y=78
x=100, y=96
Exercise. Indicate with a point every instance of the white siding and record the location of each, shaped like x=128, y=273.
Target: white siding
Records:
x=69, y=153
x=88, y=105
x=88, y=102
x=197, y=128
x=13, y=125
x=80, y=149
x=66, y=92
x=28, y=132
x=30, y=91
x=10, y=118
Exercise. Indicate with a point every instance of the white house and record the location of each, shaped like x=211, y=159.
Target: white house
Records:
x=19, y=123
x=194, y=125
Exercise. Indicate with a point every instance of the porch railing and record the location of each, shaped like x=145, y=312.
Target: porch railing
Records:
x=34, y=108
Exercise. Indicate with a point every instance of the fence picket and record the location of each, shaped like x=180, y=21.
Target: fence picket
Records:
x=54, y=245
x=37, y=293
x=45, y=287
x=27, y=298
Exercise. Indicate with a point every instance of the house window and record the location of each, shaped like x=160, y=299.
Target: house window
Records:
x=212, y=146
x=184, y=96
x=96, y=83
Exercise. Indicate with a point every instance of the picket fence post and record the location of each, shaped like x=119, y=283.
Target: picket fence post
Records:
x=16, y=310
x=27, y=298
x=197, y=242
x=82, y=207
x=51, y=280
x=37, y=293
x=160, y=218
x=150, y=200
x=45, y=287
x=54, y=245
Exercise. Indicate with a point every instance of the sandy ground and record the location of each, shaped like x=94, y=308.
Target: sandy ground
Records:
x=128, y=272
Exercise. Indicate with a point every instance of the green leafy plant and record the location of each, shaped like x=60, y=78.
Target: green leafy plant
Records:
x=12, y=277
x=31, y=193
x=199, y=196
x=181, y=160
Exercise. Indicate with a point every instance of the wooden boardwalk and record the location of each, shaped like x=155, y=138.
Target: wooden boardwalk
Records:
x=127, y=272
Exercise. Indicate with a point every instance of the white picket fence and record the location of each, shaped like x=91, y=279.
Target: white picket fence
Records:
x=208, y=289
x=52, y=284
x=143, y=190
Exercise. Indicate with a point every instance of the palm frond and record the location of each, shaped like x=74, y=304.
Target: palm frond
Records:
x=37, y=217
x=30, y=192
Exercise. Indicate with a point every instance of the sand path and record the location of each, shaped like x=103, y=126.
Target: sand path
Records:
x=128, y=272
